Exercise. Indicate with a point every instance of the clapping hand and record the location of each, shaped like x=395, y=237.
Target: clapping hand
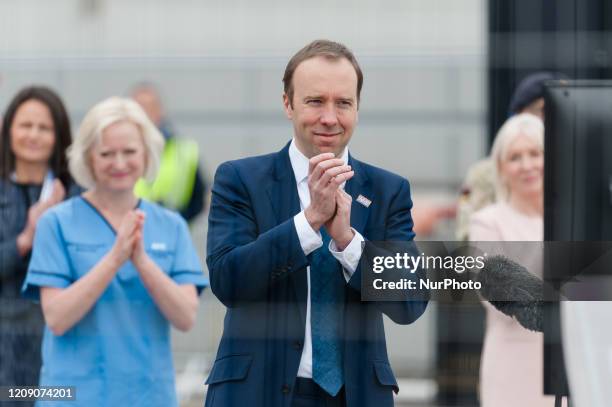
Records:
x=339, y=225
x=129, y=237
x=329, y=204
x=26, y=237
x=57, y=195
x=139, y=254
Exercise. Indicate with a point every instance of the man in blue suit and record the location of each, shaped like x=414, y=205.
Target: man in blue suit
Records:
x=284, y=242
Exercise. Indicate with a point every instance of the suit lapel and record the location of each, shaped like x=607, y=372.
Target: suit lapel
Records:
x=359, y=185
x=283, y=190
x=285, y=203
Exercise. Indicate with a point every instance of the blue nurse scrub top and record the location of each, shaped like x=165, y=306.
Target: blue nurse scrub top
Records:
x=119, y=353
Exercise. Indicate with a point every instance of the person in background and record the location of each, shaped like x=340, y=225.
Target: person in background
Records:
x=179, y=184
x=427, y=216
x=478, y=188
x=34, y=176
x=511, y=368
x=113, y=271
x=529, y=94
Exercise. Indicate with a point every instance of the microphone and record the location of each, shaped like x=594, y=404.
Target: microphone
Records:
x=513, y=290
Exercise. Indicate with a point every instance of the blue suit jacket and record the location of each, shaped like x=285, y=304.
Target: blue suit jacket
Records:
x=258, y=270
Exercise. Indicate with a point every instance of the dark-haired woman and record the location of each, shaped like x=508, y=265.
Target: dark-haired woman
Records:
x=34, y=176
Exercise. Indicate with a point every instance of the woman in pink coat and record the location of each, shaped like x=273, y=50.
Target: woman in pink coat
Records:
x=511, y=369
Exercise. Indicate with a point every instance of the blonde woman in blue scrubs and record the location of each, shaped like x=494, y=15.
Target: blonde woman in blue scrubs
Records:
x=113, y=272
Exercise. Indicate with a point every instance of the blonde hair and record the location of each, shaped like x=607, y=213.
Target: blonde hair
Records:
x=101, y=116
x=523, y=124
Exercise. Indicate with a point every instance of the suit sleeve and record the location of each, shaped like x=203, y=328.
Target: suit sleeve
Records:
x=243, y=263
x=399, y=228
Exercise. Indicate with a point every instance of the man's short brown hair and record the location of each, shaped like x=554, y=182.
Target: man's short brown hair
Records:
x=325, y=48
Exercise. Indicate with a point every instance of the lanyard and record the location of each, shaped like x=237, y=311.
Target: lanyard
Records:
x=47, y=186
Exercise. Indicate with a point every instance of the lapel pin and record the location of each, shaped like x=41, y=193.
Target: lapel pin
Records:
x=364, y=201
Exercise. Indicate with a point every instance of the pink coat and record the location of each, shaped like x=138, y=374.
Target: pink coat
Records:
x=511, y=366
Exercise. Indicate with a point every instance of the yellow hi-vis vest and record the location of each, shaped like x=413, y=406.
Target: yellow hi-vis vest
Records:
x=176, y=176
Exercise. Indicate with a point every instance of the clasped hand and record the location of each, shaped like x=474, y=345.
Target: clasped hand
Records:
x=330, y=206
x=129, y=241
x=26, y=237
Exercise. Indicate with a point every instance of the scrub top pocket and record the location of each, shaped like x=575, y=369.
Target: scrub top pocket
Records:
x=84, y=256
x=163, y=258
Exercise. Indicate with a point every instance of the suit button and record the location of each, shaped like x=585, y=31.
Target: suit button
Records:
x=285, y=389
x=297, y=345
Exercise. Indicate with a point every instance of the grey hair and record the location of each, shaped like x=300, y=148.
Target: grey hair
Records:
x=101, y=116
x=523, y=124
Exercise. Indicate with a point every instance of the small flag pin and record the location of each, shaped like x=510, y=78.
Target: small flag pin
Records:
x=364, y=201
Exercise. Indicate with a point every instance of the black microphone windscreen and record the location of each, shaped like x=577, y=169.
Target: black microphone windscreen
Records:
x=513, y=290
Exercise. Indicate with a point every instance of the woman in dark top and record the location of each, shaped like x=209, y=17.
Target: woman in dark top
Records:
x=34, y=176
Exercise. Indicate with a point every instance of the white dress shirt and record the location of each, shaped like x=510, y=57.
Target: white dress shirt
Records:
x=311, y=240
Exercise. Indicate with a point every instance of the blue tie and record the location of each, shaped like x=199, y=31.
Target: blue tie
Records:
x=326, y=320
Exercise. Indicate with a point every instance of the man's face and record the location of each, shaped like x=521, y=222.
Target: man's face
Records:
x=324, y=108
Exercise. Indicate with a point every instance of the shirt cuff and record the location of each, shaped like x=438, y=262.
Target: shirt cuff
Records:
x=350, y=256
x=309, y=239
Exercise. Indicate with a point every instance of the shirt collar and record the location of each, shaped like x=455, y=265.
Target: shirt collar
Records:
x=300, y=163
